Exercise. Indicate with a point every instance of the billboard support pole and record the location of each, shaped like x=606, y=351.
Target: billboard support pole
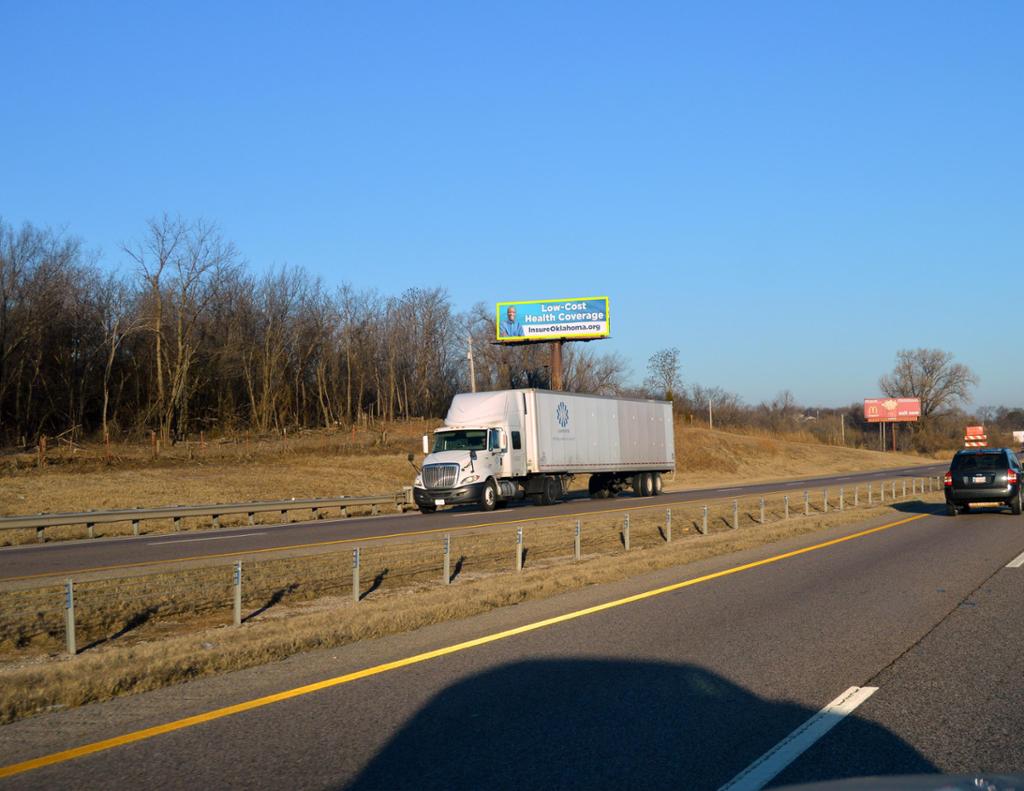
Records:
x=893, y=437
x=556, y=364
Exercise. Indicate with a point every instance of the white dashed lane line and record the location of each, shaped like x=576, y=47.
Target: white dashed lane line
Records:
x=768, y=766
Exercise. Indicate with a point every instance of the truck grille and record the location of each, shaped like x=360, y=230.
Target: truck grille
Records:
x=440, y=476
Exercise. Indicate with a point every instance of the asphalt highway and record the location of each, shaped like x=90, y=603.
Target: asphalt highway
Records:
x=681, y=679
x=75, y=557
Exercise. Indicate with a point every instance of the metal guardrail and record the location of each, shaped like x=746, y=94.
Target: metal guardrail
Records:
x=90, y=519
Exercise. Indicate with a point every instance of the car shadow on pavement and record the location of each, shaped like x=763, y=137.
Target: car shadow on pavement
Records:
x=594, y=724
x=919, y=507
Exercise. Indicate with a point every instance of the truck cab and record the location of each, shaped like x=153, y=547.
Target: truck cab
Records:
x=462, y=465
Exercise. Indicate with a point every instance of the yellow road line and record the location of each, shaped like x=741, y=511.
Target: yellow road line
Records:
x=227, y=711
x=382, y=537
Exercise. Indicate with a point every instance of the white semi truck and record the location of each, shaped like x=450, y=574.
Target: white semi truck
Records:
x=510, y=444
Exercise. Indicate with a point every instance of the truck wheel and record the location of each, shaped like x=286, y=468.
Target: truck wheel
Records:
x=552, y=491
x=489, y=497
x=643, y=484
x=597, y=487
x=427, y=509
x=659, y=487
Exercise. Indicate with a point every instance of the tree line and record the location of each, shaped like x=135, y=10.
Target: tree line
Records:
x=185, y=338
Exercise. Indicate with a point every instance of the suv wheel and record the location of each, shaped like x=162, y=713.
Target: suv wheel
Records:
x=1016, y=506
x=951, y=509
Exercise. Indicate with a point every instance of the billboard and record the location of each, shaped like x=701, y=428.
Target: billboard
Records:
x=575, y=319
x=1018, y=437
x=891, y=410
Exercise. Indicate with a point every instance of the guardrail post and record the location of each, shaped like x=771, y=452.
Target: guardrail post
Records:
x=238, y=592
x=856, y=497
x=135, y=527
x=625, y=532
x=824, y=498
x=447, y=559
x=284, y=515
x=177, y=524
x=841, y=498
x=576, y=542
x=519, y=549
x=704, y=523
x=894, y=490
x=807, y=503
x=668, y=526
x=375, y=510
x=90, y=527
x=69, y=616
x=785, y=506
x=913, y=485
x=735, y=514
x=904, y=487
x=316, y=513
x=355, y=575
x=252, y=519
x=762, y=510
x=344, y=512
x=216, y=520
x=870, y=496
x=881, y=492
x=39, y=535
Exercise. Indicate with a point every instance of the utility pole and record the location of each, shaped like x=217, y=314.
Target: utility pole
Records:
x=711, y=422
x=472, y=367
x=842, y=427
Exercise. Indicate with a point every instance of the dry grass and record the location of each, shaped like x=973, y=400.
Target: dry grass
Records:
x=149, y=631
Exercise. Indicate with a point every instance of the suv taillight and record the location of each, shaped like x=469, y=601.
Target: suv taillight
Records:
x=1011, y=477
x=948, y=479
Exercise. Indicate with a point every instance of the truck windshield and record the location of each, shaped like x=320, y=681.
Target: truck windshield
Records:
x=468, y=439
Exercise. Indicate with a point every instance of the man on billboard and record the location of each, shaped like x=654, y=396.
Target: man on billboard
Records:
x=510, y=328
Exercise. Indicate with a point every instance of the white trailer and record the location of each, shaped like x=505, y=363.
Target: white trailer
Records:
x=505, y=445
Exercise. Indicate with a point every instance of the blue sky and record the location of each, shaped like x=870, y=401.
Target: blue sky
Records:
x=789, y=192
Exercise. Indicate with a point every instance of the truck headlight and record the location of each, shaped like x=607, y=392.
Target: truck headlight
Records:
x=418, y=481
x=471, y=478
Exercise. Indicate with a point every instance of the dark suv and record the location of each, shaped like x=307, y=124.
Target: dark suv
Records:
x=984, y=475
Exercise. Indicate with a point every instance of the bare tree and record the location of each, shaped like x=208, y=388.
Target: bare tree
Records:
x=663, y=377
x=780, y=413
x=932, y=376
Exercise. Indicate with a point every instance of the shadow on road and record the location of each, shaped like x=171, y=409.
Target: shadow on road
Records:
x=605, y=724
x=918, y=507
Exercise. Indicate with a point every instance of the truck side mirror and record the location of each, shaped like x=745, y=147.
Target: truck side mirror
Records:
x=410, y=458
x=504, y=442
x=426, y=444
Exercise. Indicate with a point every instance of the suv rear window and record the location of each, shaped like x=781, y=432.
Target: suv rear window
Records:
x=980, y=461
